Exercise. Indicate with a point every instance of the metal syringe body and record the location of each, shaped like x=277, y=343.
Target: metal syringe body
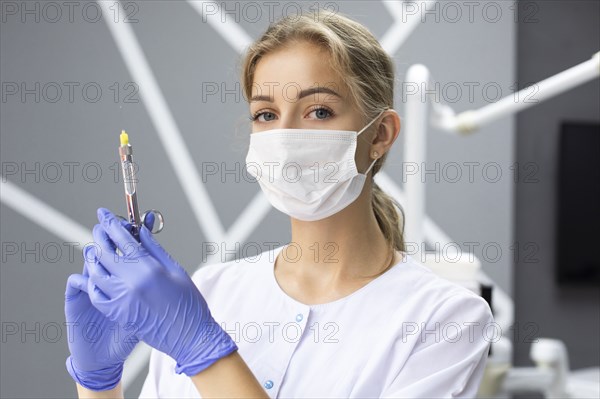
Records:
x=129, y=180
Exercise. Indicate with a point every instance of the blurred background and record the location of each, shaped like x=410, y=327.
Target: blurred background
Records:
x=74, y=74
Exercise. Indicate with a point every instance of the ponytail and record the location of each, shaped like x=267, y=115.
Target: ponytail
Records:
x=387, y=217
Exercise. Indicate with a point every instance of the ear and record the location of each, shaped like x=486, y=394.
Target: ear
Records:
x=388, y=131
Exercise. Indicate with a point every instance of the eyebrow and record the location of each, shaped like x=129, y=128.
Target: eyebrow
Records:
x=303, y=93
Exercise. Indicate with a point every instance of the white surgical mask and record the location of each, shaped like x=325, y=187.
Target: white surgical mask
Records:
x=309, y=174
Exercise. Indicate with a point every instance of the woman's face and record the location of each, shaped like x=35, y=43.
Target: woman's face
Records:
x=294, y=88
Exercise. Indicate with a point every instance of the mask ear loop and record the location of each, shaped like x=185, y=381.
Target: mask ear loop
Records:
x=363, y=129
x=370, y=166
x=369, y=124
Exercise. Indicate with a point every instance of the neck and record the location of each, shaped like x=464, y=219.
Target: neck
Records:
x=348, y=245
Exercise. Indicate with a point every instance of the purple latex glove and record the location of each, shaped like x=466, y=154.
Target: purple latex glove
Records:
x=98, y=346
x=145, y=286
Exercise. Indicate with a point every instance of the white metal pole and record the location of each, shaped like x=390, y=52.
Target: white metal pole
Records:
x=469, y=121
x=414, y=156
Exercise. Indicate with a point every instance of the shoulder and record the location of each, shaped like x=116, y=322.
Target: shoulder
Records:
x=441, y=339
x=438, y=297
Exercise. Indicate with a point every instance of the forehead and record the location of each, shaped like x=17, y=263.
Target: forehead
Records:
x=297, y=66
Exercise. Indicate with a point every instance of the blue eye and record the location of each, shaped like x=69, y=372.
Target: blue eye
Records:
x=255, y=116
x=322, y=111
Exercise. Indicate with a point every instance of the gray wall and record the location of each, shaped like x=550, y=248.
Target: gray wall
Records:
x=184, y=52
x=565, y=34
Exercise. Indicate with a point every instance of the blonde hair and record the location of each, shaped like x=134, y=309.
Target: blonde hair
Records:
x=368, y=73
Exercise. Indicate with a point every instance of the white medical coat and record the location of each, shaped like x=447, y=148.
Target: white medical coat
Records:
x=406, y=334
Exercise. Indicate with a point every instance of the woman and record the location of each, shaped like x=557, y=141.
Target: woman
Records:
x=340, y=311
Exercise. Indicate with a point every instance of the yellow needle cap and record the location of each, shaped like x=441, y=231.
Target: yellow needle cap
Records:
x=124, y=138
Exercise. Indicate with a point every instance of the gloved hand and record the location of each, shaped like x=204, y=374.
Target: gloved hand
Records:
x=146, y=287
x=98, y=346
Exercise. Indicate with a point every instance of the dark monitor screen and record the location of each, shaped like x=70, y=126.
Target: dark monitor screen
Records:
x=578, y=204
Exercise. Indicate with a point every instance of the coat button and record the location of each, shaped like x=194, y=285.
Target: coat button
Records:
x=268, y=384
x=299, y=317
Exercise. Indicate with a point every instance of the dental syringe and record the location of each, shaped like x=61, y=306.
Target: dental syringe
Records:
x=129, y=179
